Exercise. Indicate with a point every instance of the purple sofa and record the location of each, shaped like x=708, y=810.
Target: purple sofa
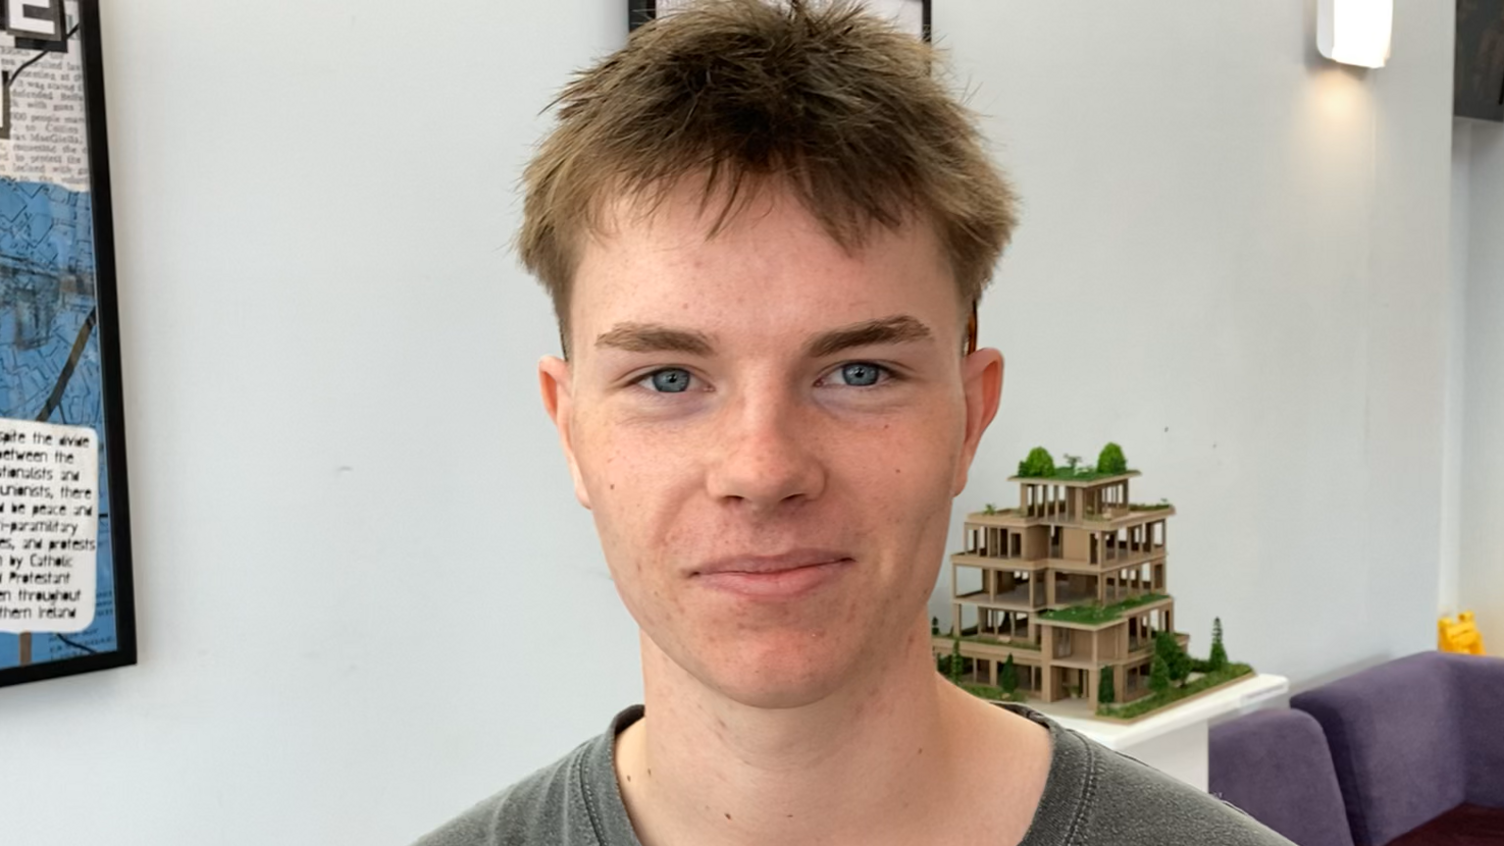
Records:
x=1413, y=739
x=1415, y=747
x=1275, y=765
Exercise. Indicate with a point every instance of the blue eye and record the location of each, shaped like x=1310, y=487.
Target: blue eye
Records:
x=671, y=380
x=861, y=374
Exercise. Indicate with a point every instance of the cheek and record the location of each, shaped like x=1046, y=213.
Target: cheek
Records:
x=610, y=462
x=638, y=482
x=896, y=484
x=908, y=461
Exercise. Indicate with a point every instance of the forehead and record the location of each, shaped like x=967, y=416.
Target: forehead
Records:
x=769, y=262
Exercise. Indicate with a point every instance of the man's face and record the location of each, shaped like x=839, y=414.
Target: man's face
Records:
x=769, y=431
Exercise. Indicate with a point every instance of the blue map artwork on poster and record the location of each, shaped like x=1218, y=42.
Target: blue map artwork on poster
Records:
x=50, y=364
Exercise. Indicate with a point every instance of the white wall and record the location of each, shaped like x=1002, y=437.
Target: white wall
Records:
x=1454, y=410
x=366, y=596
x=1481, y=565
x=1233, y=261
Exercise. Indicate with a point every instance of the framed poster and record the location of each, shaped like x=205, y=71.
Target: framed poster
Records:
x=911, y=15
x=65, y=565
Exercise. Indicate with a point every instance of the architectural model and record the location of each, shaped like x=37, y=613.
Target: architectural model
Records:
x=1066, y=596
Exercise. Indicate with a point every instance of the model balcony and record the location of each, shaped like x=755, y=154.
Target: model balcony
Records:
x=1087, y=544
x=1022, y=598
x=1146, y=610
x=1127, y=555
x=995, y=645
x=1110, y=518
x=997, y=587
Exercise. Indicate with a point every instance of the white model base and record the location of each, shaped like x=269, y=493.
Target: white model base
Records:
x=1173, y=742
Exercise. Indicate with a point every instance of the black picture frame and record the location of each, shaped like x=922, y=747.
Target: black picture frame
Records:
x=640, y=12
x=1478, y=71
x=79, y=29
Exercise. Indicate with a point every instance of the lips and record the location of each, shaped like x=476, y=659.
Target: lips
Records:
x=783, y=576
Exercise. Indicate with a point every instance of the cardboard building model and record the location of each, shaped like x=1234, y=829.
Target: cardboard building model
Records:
x=1072, y=585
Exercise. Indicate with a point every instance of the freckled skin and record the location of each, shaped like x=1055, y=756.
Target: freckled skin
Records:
x=767, y=451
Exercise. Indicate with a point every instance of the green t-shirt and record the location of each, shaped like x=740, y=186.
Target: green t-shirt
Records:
x=1092, y=797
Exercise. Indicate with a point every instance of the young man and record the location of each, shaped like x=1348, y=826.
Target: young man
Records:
x=764, y=228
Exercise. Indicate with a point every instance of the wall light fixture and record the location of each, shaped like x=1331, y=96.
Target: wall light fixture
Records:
x=1355, y=32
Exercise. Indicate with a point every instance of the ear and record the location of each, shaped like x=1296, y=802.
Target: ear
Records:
x=555, y=383
x=982, y=381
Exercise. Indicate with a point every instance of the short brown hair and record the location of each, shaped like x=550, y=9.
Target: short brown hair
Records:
x=832, y=102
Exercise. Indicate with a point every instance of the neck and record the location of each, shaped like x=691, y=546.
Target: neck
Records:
x=883, y=759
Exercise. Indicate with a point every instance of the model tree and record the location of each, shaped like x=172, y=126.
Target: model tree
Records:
x=1008, y=677
x=1038, y=465
x=1164, y=647
x=1177, y=662
x=1111, y=462
x=1159, y=675
x=1180, y=671
x=1218, y=658
x=955, y=662
x=1106, y=692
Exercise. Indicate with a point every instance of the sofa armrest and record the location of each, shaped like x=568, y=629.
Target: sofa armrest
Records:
x=1396, y=743
x=1275, y=765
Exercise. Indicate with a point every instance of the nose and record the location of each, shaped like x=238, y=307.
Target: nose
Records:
x=766, y=454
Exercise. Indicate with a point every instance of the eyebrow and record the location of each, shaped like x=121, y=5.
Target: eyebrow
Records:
x=656, y=337
x=900, y=329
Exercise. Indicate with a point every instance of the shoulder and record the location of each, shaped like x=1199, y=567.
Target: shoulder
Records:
x=1098, y=797
x=536, y=809
x=1128, y=802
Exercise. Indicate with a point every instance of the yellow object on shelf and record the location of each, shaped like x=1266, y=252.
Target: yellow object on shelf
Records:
x=1460, y=635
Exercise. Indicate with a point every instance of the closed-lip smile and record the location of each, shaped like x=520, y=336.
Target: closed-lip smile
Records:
x=781, y=576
